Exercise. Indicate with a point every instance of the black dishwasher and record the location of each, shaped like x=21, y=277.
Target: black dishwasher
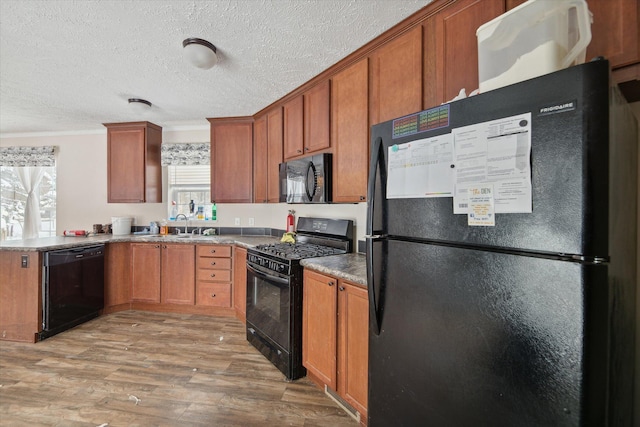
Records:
x=73, y=288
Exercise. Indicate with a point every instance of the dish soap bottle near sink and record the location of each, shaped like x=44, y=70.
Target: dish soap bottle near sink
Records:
x=174, y=211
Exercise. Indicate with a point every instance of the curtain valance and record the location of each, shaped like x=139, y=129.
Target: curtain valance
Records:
x=186, y=154
x=43, y=156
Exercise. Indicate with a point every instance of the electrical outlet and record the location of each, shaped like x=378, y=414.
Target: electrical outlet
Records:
x=252, y=221
x=24, y=261
x=237, y=221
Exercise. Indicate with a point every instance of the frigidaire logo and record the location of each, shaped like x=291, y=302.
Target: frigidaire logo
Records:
x=567, y=106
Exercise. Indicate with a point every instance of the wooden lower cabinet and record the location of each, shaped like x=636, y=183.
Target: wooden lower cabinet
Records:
x=240, y=282
x=117, y=276
x=20, y=296
x=177, y=274
x=145, y=272
x=162, y=273
x=214, y=275
x=335, y=331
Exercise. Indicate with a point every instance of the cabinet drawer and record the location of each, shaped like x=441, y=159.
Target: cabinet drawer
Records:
x=214, y=275
x=214, y=251
x=214, y=263
x=213, y=294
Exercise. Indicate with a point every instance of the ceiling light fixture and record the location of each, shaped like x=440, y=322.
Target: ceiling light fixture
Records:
x=200, y=53
x=139, y=105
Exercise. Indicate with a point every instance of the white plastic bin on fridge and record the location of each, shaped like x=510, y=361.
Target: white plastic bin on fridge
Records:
x=121, y=225
x=538, y=37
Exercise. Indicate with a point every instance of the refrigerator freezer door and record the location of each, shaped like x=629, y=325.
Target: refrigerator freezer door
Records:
x=471, y=338
x=570, y=157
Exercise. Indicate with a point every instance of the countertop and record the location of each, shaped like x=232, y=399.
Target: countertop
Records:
x=351, y=267
x=64, y=242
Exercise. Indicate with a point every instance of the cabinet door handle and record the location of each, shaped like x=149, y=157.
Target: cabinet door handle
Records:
x=362, y=197
x=331, y=283
x=213, y=274
x=341, y=288
x=213, y=263
x=299, y=151
x=213, y=251
x=213, y=295
x=306, y=149
x=157, y=246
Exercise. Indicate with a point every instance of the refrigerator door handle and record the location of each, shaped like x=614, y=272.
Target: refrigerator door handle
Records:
x=374, y=312
x=373, y=176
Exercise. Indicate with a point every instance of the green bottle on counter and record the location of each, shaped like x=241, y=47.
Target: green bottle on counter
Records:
x=213, y=212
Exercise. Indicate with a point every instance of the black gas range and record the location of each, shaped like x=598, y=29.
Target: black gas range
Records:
x=274, y=289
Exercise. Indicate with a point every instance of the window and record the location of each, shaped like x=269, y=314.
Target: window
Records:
x=188, y=183
x=13, y=201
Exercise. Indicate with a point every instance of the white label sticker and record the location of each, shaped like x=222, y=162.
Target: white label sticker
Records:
x=481, y=206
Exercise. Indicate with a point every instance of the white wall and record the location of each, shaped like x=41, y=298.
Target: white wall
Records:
x=82, y=188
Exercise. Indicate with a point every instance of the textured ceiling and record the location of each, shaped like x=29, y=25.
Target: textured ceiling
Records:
x=72, y=65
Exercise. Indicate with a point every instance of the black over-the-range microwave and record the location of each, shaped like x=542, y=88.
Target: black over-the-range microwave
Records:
x=306, y=180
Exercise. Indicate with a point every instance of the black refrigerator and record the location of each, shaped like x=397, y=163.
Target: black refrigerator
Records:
x=501, y=258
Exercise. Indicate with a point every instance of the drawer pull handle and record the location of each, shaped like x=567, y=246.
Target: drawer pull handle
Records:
x=213, y=295
x=213, y=274
x=213, y=263
x=213, y=251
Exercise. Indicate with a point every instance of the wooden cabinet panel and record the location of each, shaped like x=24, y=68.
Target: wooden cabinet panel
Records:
x=240, y=282
x=353, y=345
x=145, y=272
x=134, y=172
x=220, y=251
x=178, y=271
x=20, y=296
x=451, y=48
x=307, y=121
x=350, y=133
x=319, y=327
x=396, y=77
x=232, y=160
x=293, y=113
x=317, y=113
x=335, y=336
x=260, y=160
x=267, y=156
x=214, y=294
x=275, y=147
x=214, y=263
x=117, y=274
x=214, y=275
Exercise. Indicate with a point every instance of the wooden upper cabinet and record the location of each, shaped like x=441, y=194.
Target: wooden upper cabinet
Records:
x=293, y=113
x=274, y=153
x=267, y=156
x=134, y=171
x=350, y=133
x=396, y=77
x=451, y=48
x=317, y=113
x=232, y=160
x=260, y=160
x=307, y=121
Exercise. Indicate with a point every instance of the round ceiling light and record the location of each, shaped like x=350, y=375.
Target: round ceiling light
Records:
x=139, y=105
x=200, y=53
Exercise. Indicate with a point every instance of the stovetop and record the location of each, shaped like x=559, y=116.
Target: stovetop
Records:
x=296, y=251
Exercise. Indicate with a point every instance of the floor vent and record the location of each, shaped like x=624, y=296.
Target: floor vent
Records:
x=341, y=402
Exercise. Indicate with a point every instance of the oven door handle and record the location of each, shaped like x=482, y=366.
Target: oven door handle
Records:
x=269, y=277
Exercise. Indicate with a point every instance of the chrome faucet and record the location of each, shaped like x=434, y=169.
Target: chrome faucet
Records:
x=186, y=222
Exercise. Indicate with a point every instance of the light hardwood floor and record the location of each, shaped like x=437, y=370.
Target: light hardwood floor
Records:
x=137, y=368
